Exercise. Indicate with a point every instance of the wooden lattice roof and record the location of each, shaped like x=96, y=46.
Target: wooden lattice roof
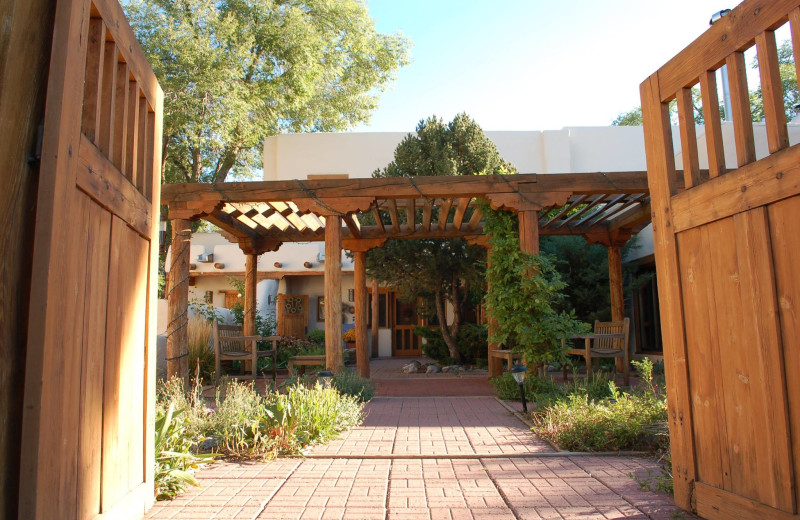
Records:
x=259, y=216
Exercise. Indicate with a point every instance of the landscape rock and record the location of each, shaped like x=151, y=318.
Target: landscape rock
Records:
x=411, y=368
x=452, y=369
x=433, y=369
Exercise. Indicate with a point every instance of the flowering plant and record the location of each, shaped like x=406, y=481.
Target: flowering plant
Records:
x=350, y=335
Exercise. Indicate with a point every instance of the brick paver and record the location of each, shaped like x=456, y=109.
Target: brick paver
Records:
x=426, y=458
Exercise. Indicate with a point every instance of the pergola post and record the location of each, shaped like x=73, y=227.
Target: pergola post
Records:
x=360, y=282
x=250, y=281
x=178, y=301
x=529, y=231
x=334, y=359
x=615, y=286
x=495, y=364
x=375, y=317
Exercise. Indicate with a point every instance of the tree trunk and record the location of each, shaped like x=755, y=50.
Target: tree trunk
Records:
x=447, y=335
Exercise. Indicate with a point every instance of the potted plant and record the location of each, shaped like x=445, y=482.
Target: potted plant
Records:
x=350, y=338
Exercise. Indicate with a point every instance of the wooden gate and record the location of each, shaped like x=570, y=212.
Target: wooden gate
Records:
x=727, y=246
x=87, y=447
x=292, y=315
x=405, y=343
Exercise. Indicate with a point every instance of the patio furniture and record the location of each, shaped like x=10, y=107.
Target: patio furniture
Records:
x=508, y=355
x=311, y=360
x=231, y=345
x=610, y=339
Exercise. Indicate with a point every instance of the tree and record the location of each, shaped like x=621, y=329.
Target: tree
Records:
x=236, y=71
x=444, y=270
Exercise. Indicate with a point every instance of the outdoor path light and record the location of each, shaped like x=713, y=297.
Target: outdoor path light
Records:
x=325, y=377
x=518, y=371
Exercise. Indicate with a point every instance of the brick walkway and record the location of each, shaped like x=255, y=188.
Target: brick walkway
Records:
x=426, y=458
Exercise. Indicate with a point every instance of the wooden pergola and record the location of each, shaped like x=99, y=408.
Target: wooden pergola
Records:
x=361, y=214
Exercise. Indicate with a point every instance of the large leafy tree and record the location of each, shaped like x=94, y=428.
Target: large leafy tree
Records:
x=439, y=270
x=237, y=71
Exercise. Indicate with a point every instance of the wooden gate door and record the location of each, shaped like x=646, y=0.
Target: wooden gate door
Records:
x=405, y=343
x=727, y=246
x=292, y=315
x=88, y=421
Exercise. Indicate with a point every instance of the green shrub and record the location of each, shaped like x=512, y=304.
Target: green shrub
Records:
x=543, y=391
x=471, y=340
x=620, y=421
x=348, y=382
x=317, y=336
x=318, y=414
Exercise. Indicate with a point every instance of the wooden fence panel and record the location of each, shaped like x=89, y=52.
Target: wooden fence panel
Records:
x=88, y=426
x=726, y=249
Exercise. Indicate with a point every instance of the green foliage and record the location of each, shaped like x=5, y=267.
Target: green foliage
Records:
x=620, y=421
x=347, y=382
x=525, y=295
x=316, y=336
x=630, y=118
x=288, y=347
x=542, y=392
x=472, y=341
x=791, y=95
x=236, y=71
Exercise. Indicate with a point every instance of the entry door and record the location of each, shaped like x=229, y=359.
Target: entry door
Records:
x=87, y=448
x=292, y=315
x=405, y=343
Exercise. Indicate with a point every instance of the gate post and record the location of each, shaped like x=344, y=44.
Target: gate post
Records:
x=178, y=301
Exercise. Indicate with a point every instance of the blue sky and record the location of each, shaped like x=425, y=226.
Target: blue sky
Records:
x=530, y=64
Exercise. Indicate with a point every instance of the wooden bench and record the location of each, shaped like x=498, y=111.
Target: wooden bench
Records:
x=311, y=360
x=508, y=355
x=610, y=339
x=231, y=345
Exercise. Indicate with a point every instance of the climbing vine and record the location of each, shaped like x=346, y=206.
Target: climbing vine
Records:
x=524, y=290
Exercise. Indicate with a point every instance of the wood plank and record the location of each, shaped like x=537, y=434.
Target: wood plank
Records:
x=529, y=231
x=401, y=188
x=772, y=477
x=691, y=160
x=772, y=91
x=617, y=299
x=411, y=215
x=378, y=220
x=716, y=504
x=444, y=213
x=461, y=208
x=707, y=391
x=152, y=166
x=119, y=155
x=773, y=178
x=48, y=458
x=99, y=179
x=794, y=22
x=663, y=184
x=741, y=116
x=142, y=166
x=427, y=212
x=785, y=242
x=713, y=126
x=98, y=232
x=476, y=218
x=353, y=226
x=392, y=207
x=108, y=94
x=334, y=359
x=733, y=32
x=564, y=210
x=132, y=150
x=360, y=285
x=599, y=214
x=589, y=205
x=250, y=305
x=92, y=89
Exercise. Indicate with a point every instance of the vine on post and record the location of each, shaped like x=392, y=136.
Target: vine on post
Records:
x=523, y=292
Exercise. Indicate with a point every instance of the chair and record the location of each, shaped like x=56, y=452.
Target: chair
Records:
x=610, y=339
x=230, y=344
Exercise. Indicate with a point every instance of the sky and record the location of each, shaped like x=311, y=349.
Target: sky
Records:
x=529, y=64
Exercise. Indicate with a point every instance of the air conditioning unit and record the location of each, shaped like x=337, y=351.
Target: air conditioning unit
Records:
x=206, y=257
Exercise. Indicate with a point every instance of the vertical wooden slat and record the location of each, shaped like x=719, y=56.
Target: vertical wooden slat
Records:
x=785, y=242
x=691, y=161
x=661, y=180
x=93, y=361
x=444, y=212
x=742, y=117
x=708, y=410
x=108, y=96
x=178, y=300
x=375, y=318
x=131, y=154
x=119, y=149
x=360, y=282
x=794, y=22
x=94, y=78
x=150, y=164
x=427, y=212
x=713, y=126
x=772, y=92
x=461, y=208
x=142, y=168
x=333, y=293
x=760, y=341
x=411, y=215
